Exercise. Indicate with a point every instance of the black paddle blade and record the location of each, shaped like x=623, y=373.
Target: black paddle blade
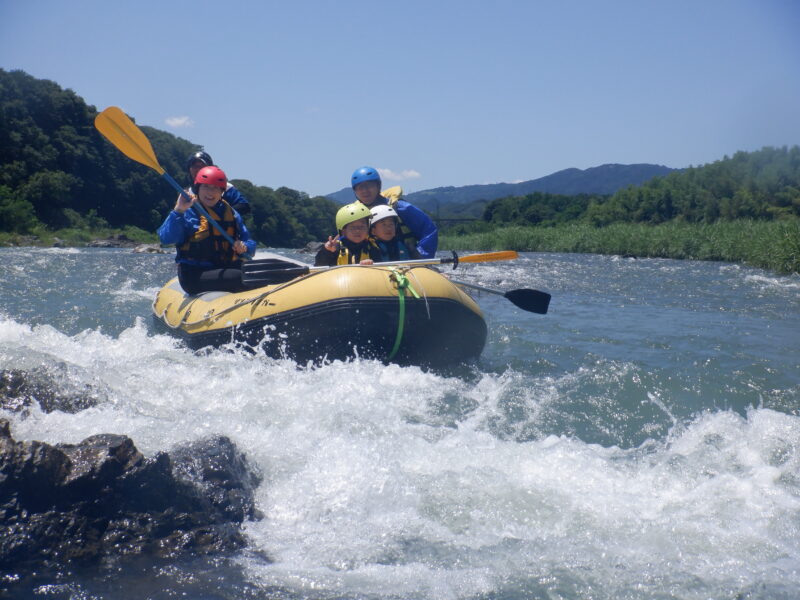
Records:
x=531, y=300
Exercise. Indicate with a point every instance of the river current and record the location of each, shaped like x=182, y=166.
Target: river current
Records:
x=641, y=440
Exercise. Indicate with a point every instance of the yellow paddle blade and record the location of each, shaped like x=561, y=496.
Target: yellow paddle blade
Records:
x=392, y=193
x=118, y=129
x=489, y=257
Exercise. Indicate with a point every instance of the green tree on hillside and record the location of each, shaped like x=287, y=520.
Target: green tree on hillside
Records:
x=58, y=171
x=285, y=217
x=538, y=208
x=755, y=185
x=759, y=185
x=16, y=214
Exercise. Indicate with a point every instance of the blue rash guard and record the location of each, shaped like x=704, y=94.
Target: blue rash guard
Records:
x=177, y=228
x=394, y=249
x=420, y=225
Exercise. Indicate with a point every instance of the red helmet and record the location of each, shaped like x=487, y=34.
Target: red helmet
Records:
x=211, y=176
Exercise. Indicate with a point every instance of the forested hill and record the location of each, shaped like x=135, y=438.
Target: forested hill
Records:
x=748, y=185
x=605, y=179
x=57, y=171
x=762, y=185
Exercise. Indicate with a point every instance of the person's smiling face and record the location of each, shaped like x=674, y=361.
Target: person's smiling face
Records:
x=385, y=229
x=367, y=192
x=356, y=231
x=209, y=195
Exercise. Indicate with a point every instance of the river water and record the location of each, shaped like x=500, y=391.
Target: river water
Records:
x=642, y=440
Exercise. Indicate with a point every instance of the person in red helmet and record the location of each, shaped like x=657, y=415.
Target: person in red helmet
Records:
x=206, y=260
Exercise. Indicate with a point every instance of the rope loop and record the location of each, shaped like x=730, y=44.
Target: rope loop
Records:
x=403, y=284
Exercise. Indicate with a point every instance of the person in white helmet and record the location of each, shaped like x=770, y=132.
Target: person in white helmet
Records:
x=385, y=233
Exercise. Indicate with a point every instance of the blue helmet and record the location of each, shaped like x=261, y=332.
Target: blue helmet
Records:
x=364, y=174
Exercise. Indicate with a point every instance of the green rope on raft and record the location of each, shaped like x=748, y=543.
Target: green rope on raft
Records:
x=403, y=284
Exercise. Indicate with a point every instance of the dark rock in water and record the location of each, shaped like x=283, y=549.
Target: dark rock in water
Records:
x=51, y=388
x=92, y=502
x=149, y=249
x=13, y=396
x=217, y=466
x=102, y=244
x=311, y=248
x=119, y=240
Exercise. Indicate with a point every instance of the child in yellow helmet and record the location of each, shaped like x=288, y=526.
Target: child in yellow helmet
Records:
x=352, y=245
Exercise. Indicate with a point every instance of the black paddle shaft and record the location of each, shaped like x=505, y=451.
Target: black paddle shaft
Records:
x=271, y=271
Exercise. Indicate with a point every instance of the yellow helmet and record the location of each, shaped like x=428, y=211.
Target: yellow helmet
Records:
x=350, y=213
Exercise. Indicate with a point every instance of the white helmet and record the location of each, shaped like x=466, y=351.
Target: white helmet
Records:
x=381, y=212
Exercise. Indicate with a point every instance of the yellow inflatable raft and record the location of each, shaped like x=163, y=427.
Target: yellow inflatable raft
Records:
x=403, y=314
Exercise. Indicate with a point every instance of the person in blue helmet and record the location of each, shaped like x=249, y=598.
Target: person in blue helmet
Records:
x=232, y=196
x=416, y=228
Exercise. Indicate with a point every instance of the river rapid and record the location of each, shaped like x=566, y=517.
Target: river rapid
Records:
x=642, y=440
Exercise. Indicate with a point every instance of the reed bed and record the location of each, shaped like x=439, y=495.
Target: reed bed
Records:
x=771, y=245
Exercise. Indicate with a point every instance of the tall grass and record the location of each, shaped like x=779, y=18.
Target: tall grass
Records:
x=772, y=245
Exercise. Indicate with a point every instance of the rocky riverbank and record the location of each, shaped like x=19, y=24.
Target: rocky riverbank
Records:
x=117, y=240
x=121, y=241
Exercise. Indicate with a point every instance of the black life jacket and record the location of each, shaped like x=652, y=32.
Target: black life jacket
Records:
x=351, y=254
x=208, y=245
x=396, y=249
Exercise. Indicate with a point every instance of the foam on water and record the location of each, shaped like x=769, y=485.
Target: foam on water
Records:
x=786, y=283
x=382, y=481
x=718, y=505
x=129, y=292
x=642, y=440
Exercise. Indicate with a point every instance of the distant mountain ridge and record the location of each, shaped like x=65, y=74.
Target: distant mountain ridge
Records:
x=605, y=179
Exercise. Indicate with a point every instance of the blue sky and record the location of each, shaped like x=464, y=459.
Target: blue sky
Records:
x=300, y=93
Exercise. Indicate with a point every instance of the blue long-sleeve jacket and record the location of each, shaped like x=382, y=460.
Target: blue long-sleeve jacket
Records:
x=179, y=227
x=236, y=199
x=420, y=225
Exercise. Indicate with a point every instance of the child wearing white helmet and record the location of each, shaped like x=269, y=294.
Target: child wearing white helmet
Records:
x=352, y=245
x=387, y=237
